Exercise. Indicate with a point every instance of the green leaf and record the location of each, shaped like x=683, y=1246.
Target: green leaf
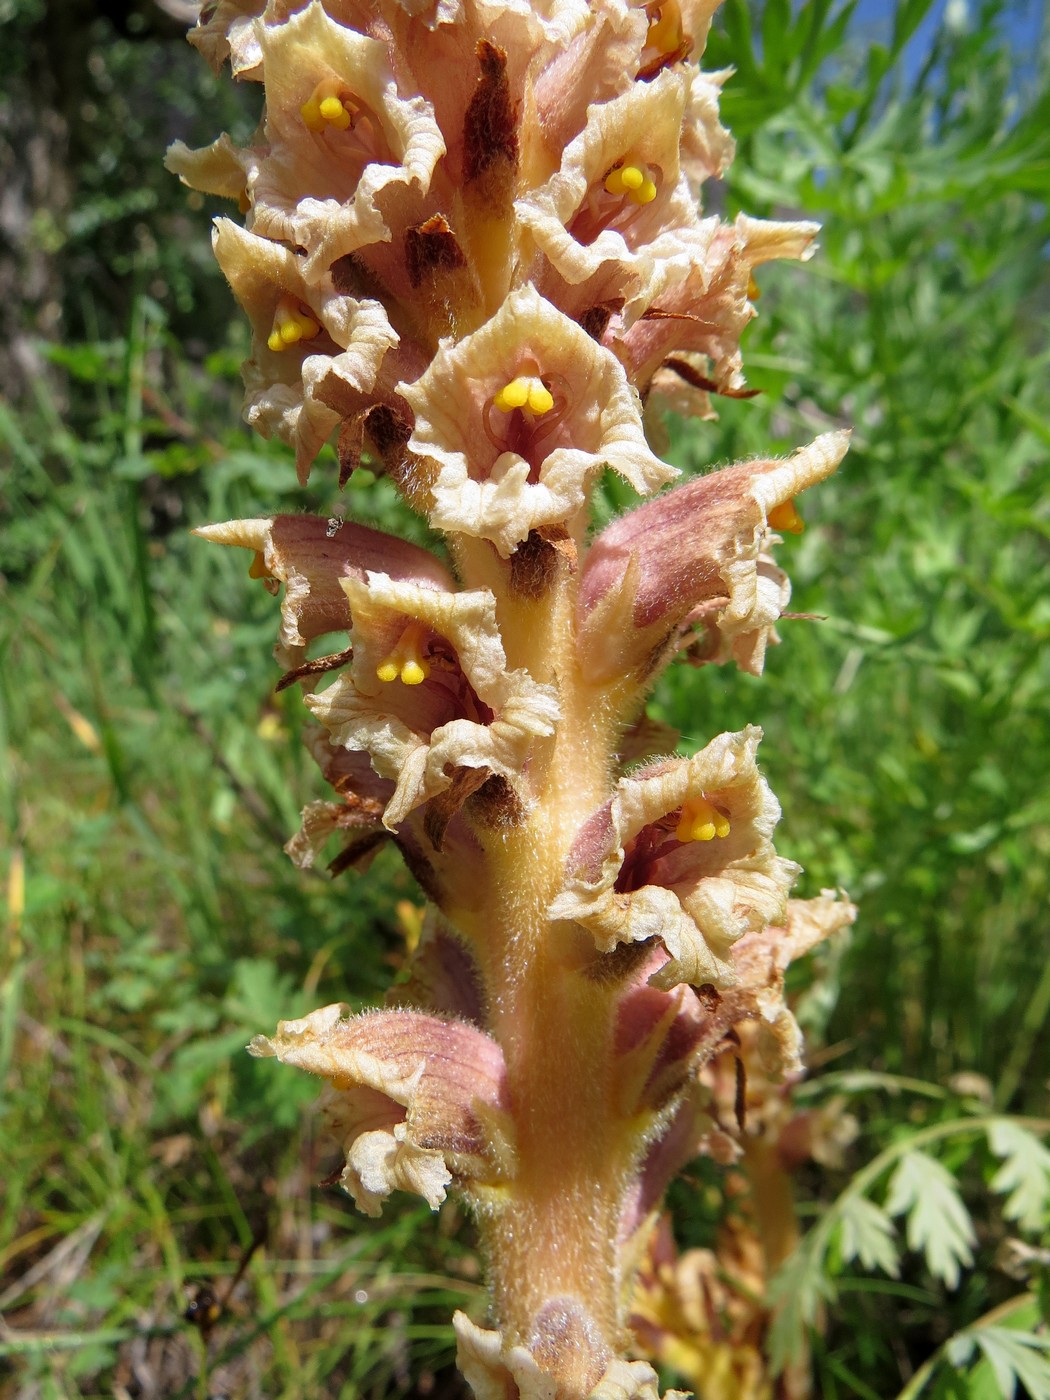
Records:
x=796, y=1294
x=1025, y=1173
x=867, y=1234
x=938, y=1223
x=1016, y=1357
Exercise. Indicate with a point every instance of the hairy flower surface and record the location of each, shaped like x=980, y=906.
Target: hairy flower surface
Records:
x=475, y=262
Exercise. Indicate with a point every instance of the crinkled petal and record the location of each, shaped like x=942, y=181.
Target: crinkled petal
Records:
x=226, y=30
x=220, y=168
x=760, y=960
x=491, y=1371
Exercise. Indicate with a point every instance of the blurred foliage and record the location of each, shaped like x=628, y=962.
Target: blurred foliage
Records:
x=150, y=775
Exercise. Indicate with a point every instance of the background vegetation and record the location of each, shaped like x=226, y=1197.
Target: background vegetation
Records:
x=150, y=775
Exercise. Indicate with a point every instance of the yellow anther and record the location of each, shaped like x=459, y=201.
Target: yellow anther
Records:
x=257, y=568
x=291, y=323
x=786, y=517
x=633, y=181
x=527, y=391
x=325, y=107
x=414, y=672
x=701, y=821
x=754, y=291
x=406, y=663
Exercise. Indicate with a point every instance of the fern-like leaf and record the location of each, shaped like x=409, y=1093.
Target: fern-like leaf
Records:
x=938, y=1223
x=1025, y=1173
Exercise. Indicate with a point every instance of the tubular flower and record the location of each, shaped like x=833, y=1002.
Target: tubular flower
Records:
x=303, y=333
x=518, y=418
x=475, y=262
x=429, y=692
x=414, y=1099
x=619, y=213
x=311, y=556
x=696, y=554
x=682, y=853
x=343, y=147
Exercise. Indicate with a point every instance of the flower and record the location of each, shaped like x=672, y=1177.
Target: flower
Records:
x=619, y=218
x=706, y=313
x=695, y=554
x=415, y=1100
x=514, y=422
x=429, y=694
x=311, y=556
x=345, y=151
x=682, y=853
x=303, y=331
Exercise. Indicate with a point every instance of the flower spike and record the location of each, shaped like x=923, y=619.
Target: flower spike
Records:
x=474, y=256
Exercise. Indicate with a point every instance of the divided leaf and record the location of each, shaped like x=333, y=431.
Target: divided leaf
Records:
x=1025, y=1173
x=868, y=1234
x=1017, y=1357
x=796, y=1293
x=938, y=1223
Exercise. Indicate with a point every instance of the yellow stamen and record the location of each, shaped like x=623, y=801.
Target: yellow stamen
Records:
x=665, y=28
x=754, y=291
x=633, y=181
x=786, y=517
x=327, y=106
x=701, y=821
x=527, y=391
x=291, y=323
x=257, y=568
x=406, y=662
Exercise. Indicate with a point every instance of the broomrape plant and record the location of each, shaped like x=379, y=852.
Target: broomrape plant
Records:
x=474, y=248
